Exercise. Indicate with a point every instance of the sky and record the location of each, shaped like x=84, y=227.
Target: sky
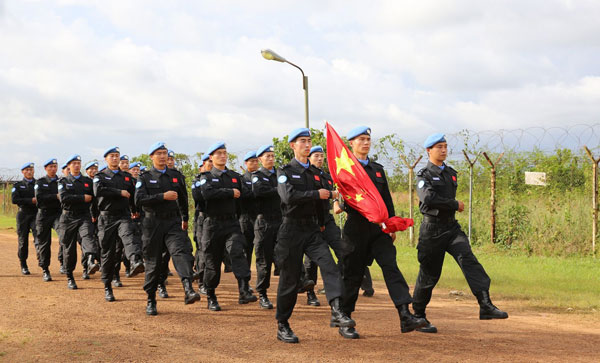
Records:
x=81, y=76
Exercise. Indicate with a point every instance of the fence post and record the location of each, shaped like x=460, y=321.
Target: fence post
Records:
x=471, y=163
x=411, y=175
x=493, y=196
x=594, y=198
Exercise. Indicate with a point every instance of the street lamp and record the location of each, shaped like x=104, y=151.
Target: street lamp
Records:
x=271, y=55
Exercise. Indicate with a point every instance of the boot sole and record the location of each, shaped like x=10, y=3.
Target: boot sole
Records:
x=293, y=341
x=489, y=317
x=246, y=301
x=138, y=270
x=94, y=269
x=215, y=309
x=338, y=325
x=153, y=313
x=266, y=307
x=193, y=300
x=350, y=337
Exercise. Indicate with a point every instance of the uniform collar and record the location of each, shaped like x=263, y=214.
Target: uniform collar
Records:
x=28, y=180
x=434, y=168
x=304, y=165
x=218, y=172
x=295, y=164
x=265, y=171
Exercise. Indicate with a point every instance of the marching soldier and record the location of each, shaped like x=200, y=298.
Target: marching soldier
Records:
x=124, y=166
x=46, y=195
x=221, y=231
x=268, y=220
x=440, y=233
x=124, y=163
x=114, y=189
x=248, y=205
x=134, y=169
x=199, y=210
x=23, y=195
x=367, y=242
x=162, y=193
x=171, y=159
x=301, y=193
x=76, y=194
x=91, y=169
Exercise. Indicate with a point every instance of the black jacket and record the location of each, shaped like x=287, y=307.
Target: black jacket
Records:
x=107, y=188
x=264, y=187
x=217, y=190
x=298, y=189
x=436, y=189
x=72, y=193
x=248, y=202
x=46, y=190
x=23, y=193
x=151, y=186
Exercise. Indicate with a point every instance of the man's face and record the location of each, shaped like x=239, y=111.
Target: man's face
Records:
x=124, y=165
x=28, y=173
x=170, y=162
x=112, y=160
x=206, y=165
x=438, y=151
x=51, y=170
x=135, y=172
x=361, y=144
x=159, y=158
x=219, y=158
x=317, y=159
x=75, y=167
x=267, y=160
x=302, y=145
x=92, y=171
x=252, y=164
x=65, y=171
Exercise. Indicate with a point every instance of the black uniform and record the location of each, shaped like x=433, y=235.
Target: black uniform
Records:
x=367, y=242
x=198, y=221
x=299, y=234
x=268, y=221
x=221, y=229
x=114, y=222
x=23, y=193
x=161, y=226
x=76, y=220
x=440, y=233
x=49, y=211
x=248, y=216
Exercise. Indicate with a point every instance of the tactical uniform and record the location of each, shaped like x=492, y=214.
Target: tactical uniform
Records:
x=23, y=193
x=198, y=221
x=248, y=216
x=47, y=218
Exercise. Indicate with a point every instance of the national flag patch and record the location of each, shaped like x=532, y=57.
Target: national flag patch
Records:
x=453, y=178
x=378, y=174
x=317, y=178
x=86, y=185
x=126, y=178
x=234, y=180
x=174, y=180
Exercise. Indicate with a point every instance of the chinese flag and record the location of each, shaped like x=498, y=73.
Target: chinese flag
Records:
x=356, y=187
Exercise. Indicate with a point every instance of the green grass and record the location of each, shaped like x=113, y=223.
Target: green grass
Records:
x=7, y=221
x=541, y=282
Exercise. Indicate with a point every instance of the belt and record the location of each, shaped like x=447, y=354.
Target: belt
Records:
x=438, y=220
x=222, y=217
x=269, y=216
x=119, y=213
x=28, y=210
x=76, y=213
x=300, y=221
x=164, y=215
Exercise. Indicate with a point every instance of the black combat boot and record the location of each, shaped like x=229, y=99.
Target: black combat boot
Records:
x=108, y=293
x=151, y=305
x=191, y=296
x=47, y=277
x=487, y=310
x=409, y=322
x=338, y=317
x=136, y=266
x=429, y=328
x=245, y=294
x=311, y=298
x=201, y=289
x=211, y=298
x=162, y=291
x=116, y=282
x=306, y=286
x=25, y=269
x=92, y=266
x=264, y=301
x=71, y=282
x=285, y=333
x=63, y=269
x=85, y=275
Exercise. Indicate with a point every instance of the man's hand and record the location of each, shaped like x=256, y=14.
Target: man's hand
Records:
x=58, y=196
x=125, y=194
x=135, y=215
x=236, y=193
x=336, y=208
x=461, y=206
x=94, y=219
x=322, y=228
x=184, y=226
x=393, y=235
x=170, y=195
x=87, y=198
x=335, y=194
x=34, y=200
x=323, y=194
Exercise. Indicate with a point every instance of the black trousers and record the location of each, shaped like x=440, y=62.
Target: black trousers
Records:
x=265, y=239
x=114, y=232
x=434, y=241
x=72, y=226
x=219, y=236
x=158, y=235
x=199, y=257
x=367, y=242
x=294, y=240
x=247, y=226
x=333, y=236
x=25, y=223
x=44, y=223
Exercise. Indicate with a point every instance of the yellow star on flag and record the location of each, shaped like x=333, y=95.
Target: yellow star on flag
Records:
x=359, y=197
x=344, y=162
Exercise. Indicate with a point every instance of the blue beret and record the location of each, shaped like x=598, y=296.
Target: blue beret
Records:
x=102, y=167
x=250, y=155
x=143, y=168
x=204, y=157
x=303, y=131
x=316, y=149
x=27, y=165
x=50, y=161
x=357, y=131
x=216, y=146
x=263, y=149
x=63, y=166
x=90, y=164
x=156, y=146
x=433, y=139
x=114, y=149
x=171, y=153
x=124, y=157
x=134, y=164
x=74, y=157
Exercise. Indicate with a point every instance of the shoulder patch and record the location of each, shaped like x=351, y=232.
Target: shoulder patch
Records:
x=60, y=186
x=421, y=184
x=138, y=184
x=254, y=179
x=203, y=181
x=13, y=189
x=96, y=179
x=198, y=183
x=36, y=186
x=282, y=179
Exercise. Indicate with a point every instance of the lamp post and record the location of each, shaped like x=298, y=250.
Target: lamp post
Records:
x=271, y=55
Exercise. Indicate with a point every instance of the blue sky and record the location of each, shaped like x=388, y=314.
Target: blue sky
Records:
x=79, y=76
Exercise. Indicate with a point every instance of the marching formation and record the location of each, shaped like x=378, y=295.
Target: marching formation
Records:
x=127, y=214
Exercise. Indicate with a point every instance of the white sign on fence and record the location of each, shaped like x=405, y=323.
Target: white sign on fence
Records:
x=535, y=178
